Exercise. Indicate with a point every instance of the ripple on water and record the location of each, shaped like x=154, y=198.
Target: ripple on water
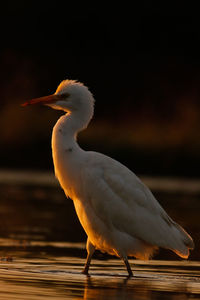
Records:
x=59, y=277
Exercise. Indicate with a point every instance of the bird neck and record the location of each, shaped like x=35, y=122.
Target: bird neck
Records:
x=68, y=126
x=74, y=122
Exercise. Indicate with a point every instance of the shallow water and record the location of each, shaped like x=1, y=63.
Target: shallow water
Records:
x=35, y=273
x=42, y=247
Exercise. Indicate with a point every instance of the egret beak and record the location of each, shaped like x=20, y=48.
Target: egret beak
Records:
x=42, y=100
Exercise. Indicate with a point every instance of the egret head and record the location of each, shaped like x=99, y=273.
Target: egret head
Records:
x=70, y=96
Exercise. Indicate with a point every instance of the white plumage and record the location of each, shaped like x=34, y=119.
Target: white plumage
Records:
x=117, y=211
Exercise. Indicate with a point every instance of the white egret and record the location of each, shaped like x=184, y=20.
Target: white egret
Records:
x=117, y=211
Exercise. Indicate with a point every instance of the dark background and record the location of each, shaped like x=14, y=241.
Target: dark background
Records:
x=141, y=62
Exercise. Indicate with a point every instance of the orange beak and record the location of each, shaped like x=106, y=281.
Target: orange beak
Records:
x=42, y=100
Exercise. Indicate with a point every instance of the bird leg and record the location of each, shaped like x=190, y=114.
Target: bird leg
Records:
x=130, y=273
x=87, y=264
x=90, y=251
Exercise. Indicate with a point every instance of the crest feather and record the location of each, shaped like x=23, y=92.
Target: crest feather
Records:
x=66, y=83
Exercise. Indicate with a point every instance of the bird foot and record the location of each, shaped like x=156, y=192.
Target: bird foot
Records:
x=85, y=272
x=130, y=274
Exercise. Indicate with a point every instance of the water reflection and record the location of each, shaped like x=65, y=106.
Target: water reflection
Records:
x=114, y=290
x=149, y=285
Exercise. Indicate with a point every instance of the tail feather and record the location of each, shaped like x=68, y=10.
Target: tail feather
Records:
x=184, y=242
x=180, y=241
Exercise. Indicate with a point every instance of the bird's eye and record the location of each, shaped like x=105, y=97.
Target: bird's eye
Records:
x=63, y=96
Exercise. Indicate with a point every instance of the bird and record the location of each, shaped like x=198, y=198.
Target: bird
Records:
x=118, y=212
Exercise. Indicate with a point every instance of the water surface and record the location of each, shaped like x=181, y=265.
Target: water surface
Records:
x=42, y=246
x=37, y=273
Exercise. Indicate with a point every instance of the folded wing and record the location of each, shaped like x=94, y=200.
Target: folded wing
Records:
x=120, y=198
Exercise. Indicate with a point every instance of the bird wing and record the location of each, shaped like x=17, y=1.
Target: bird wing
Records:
x=120, y=198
